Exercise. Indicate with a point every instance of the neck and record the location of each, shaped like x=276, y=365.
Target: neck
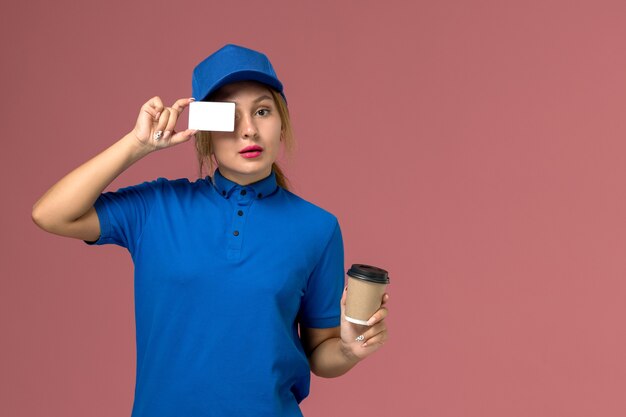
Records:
x=244, y=179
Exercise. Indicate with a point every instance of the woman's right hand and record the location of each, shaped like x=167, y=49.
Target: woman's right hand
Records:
x=155, y=125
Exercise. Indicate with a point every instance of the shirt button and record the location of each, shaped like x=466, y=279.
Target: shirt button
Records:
x=240, y=213
x=243, y=192
x=236, y=233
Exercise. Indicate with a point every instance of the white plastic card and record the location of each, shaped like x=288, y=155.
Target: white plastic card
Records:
x=212, y=116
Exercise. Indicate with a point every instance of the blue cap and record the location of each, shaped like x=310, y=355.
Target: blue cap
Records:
x=230, y=64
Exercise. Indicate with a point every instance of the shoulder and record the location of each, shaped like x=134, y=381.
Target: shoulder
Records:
x=307, y=209
x=309, y=219
x=157, y=190
x=165, y=185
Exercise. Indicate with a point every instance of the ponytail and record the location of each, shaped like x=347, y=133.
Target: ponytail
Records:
x=281, y=179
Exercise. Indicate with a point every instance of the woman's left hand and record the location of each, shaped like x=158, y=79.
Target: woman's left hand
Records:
x=359, y=341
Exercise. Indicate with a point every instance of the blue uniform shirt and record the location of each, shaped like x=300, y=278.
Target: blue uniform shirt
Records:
x=223, y=275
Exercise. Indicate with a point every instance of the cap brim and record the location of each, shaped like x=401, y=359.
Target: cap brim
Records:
x=244, y=76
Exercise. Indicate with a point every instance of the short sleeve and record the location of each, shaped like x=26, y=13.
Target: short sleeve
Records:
x=123, y=213
x=321, y=301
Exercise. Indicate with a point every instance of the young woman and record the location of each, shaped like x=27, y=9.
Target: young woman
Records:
x=238, y=281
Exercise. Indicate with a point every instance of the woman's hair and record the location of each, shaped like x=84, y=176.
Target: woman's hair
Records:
x=204, y=148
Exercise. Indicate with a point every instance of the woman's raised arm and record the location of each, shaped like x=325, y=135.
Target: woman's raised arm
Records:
x=67, y=209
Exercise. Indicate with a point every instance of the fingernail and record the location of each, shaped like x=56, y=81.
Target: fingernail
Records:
x=371, y=321
x=192, y=99
x=157, y=116
x=365, y=344
x=157, y=135
x=167, y=134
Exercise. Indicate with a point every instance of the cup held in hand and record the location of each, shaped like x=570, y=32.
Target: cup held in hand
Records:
x=366, y=286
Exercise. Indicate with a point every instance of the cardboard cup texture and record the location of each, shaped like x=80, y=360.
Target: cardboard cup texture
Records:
x=364, y=297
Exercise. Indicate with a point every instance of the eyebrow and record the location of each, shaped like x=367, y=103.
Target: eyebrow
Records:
x=261, y=98
x=229, y=98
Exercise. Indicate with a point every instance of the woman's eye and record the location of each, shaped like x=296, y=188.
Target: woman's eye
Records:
x=263, y=112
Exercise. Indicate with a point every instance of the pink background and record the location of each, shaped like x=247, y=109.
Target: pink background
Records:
x=473, y=148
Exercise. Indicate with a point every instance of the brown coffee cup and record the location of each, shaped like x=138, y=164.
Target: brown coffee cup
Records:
x=366, y=286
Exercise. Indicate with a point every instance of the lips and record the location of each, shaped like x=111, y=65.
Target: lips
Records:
x=251, y=151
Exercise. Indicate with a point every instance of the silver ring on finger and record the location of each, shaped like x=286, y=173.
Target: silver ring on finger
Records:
x=157, y=135
x=360, y=338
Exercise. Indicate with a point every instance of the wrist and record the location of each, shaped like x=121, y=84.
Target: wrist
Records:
x=136, y=148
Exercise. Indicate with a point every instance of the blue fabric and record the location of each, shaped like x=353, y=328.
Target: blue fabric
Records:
x=216, y=311
x=230, y=64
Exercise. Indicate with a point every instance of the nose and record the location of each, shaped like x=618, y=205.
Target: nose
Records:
x=246, y=127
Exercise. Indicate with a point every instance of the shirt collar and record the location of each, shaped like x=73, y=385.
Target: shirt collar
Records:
x=261, y=189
